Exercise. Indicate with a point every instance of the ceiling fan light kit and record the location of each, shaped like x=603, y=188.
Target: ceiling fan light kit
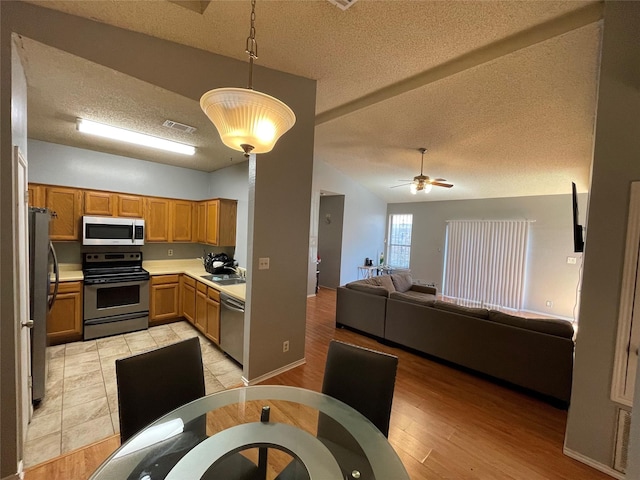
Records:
x=422, y=183
x=247, y=120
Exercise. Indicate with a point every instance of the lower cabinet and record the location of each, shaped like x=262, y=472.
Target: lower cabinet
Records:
x=188, y=295
x=212, y=331
x=201, y=307
x=64, y=322
x=164, y=302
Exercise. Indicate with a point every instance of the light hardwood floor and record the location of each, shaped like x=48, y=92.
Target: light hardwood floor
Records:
x=445, y=423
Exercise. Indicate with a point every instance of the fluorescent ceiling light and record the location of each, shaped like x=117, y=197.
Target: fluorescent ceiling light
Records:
x=107, y=131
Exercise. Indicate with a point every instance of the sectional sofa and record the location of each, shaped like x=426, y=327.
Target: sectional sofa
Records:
x=536, y=354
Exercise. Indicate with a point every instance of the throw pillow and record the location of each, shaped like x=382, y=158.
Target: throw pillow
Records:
x=402, y=281
x=385, y=281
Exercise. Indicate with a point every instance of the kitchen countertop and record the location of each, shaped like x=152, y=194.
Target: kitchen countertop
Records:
x=70, y=272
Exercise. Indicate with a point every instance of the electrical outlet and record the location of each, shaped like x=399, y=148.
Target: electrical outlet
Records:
x=549, y=303
x=170, y=252
x=285, y=346
x=571, y=260
x=263, y=263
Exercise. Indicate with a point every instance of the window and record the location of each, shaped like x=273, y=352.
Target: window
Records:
x=484, y=262
x=399, y=243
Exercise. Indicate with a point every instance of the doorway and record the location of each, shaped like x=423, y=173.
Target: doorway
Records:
x=330, y=221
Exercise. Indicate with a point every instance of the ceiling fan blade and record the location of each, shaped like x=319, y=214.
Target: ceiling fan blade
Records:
x=439, y=179
x=438, y=184
x=403, y=185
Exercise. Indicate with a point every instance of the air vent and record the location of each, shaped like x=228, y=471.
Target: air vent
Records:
x=343, y=4
x=181, y=127
x=622, y=441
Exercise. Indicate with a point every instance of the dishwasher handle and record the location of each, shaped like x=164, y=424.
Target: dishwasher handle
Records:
x=232, y=303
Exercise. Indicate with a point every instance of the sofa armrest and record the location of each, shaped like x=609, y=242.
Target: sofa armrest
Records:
x=423, y=289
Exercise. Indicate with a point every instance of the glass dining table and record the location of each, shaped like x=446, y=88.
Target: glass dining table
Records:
x=299, y=433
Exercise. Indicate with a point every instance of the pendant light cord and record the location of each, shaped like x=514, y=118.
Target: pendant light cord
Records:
x=252, y=45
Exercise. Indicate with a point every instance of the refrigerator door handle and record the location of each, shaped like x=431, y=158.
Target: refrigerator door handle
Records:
x=56, y=272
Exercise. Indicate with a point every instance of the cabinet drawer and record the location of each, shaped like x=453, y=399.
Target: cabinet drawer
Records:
x=187, y=280
x=162, y=279
x=202, y=288
x=214, y=294
x=67, y=287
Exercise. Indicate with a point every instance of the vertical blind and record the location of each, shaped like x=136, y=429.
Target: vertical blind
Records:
x=485, y=262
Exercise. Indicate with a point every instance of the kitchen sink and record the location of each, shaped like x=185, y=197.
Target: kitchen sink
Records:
x=226, y=279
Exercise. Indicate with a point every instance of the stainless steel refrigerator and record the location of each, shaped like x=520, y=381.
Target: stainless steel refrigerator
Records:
x=42, y=263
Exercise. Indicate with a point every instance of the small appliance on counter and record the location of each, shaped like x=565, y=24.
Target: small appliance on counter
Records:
x=219, y=263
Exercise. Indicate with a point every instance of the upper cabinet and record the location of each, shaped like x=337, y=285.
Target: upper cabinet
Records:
x=166, y=220
x=157, y=219
x=67, y=204
x=181, y=221
x=221, y=217
x=113, y=204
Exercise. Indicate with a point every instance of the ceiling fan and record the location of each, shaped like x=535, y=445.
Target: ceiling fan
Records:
x=423, y=182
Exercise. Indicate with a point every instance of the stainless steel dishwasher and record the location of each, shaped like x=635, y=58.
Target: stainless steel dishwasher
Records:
x=232, y=326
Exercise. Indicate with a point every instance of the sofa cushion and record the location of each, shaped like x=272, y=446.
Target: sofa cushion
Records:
x=385, y=281
x=401, y=281
x=470, y=311
x=412, y=296
x=368, y=288
x=551, y=326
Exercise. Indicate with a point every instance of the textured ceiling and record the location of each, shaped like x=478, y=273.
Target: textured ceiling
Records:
x=502, y=94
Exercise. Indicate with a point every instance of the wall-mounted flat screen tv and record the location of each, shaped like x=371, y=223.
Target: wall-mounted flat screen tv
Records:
x=578, y=239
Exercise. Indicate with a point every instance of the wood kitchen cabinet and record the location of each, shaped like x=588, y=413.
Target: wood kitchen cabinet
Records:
x=64, y=321
x=188, y=295
x=221, y=217
x=164, y=303
x=37, y=195
x=212, y=331
x=110, y=204
x=201, y=307
x=181, y=221
x=67, y=204
x=201, y=222
x=156, y=219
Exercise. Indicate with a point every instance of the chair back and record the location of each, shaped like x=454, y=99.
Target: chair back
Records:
x=362, y=378
x=151, y=384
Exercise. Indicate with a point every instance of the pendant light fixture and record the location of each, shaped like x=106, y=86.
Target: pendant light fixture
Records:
x=247, y=120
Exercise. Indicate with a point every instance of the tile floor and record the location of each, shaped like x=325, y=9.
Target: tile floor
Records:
x=81, y=404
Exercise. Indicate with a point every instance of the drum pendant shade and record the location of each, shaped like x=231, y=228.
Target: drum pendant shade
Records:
x=246, y=117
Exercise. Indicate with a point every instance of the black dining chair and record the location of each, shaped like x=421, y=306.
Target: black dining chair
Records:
x=365, y=380
x=152, y=384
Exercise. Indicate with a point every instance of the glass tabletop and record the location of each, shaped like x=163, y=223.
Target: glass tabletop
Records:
x=309, y=435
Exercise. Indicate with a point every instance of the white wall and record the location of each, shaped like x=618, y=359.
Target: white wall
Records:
x=591, y=423
x=364, y=222
x=76, y=167
x=233, y=182
x=548, y=276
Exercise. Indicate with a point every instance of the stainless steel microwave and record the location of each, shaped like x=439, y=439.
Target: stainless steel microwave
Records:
x=112, y=231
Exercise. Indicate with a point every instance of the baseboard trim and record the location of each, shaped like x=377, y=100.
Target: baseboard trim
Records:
x=273, y=373
x=592, y=463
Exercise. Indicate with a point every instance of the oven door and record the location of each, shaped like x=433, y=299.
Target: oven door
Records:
x=113, y=299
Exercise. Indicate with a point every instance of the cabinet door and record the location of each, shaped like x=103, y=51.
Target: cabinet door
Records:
x=188, y=291
x=227, y=219
x=201, y=221
x=201, y=307
x=130, y=206
x=64, y=322
x=157, y=219
x=36, y=195
x=213, y=206
x=181, y=220
x=98, y=203
x=67, y=203
x=213, y=316
x=165, y=299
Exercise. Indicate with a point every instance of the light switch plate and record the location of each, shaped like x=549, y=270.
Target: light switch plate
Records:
x=263, y=263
